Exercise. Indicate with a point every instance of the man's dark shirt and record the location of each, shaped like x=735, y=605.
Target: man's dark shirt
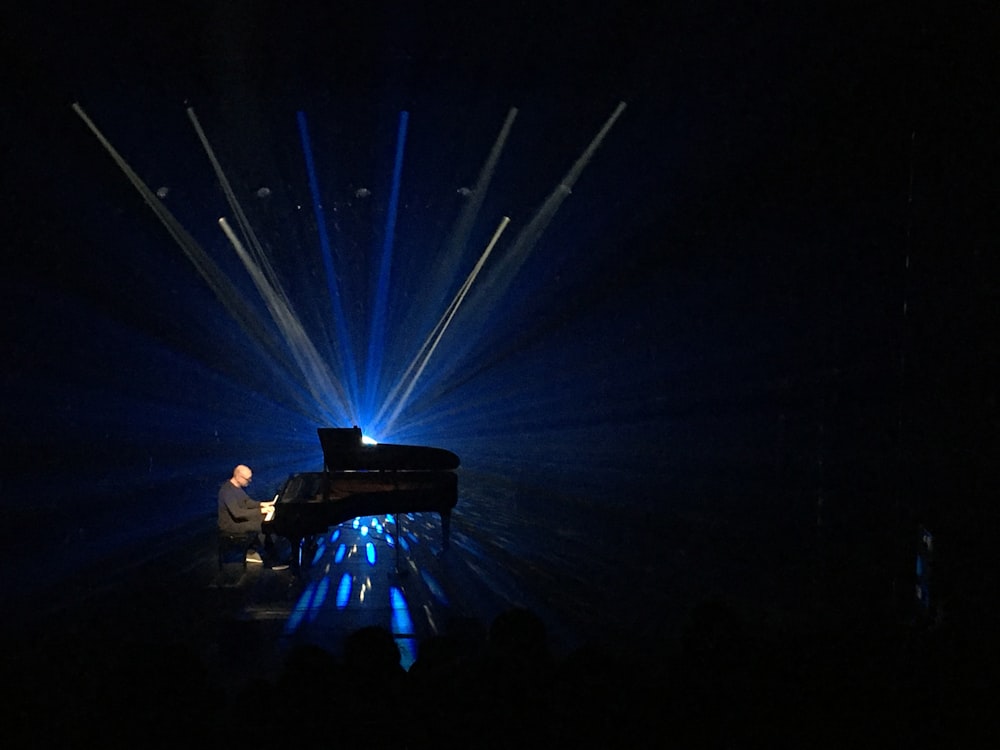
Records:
x=237, y=511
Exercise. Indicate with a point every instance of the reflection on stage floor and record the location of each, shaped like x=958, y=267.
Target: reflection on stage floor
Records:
x=363, y=573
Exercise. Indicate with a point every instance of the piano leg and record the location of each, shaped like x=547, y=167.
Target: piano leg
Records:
x=297, y=553
x=308, y=548
x=399, y=543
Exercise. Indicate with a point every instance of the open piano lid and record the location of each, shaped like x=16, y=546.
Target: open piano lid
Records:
x=343, y=450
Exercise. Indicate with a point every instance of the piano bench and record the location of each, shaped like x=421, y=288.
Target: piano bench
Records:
x=231, y=544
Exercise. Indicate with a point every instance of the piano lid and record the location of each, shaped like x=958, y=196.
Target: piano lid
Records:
x=343, y=450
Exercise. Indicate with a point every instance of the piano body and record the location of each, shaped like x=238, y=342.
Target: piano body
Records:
x=361, y=480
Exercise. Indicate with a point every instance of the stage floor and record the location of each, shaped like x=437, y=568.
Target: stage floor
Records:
x=166, y=626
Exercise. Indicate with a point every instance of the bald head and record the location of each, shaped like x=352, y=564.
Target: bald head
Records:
x=241, y=476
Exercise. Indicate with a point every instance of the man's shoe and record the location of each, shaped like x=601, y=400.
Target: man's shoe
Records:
x=253, y=556
x=279, y=566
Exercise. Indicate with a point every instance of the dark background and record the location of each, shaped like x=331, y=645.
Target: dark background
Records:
x=760, y=330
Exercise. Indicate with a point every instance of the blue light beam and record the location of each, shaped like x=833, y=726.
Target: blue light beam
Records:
x=317, y=603
x=336, y=303
x=376, y=338
x=457, y=241
x=321, y=383
x=300, y=609
x=226, y=292
x=344, y=590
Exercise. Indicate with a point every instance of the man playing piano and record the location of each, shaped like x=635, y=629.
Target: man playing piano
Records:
x=240, y=514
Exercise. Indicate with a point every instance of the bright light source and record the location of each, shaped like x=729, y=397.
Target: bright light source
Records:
x=368, y=441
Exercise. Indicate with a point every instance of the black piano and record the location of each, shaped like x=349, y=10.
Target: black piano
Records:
x=362, y=480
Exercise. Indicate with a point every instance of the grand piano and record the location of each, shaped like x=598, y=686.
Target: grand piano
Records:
x=362, y=480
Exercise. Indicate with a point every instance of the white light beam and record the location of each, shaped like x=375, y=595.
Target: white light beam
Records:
x=503, y=274
x=431, y=343
x=245, y=316
x=321, y=383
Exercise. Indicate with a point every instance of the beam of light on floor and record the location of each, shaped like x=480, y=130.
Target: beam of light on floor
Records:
x=323, y=386
x=349, y=366
x=429, y=616
x=344, y=590
x=429, y=345
x=435, y=587
x=317, y=603
x=402, y=626
x=318, y=554
x=300, y=609
x=376, y=334
x=220, y=284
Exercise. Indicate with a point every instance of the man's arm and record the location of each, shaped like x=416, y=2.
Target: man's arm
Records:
x=238, y=504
